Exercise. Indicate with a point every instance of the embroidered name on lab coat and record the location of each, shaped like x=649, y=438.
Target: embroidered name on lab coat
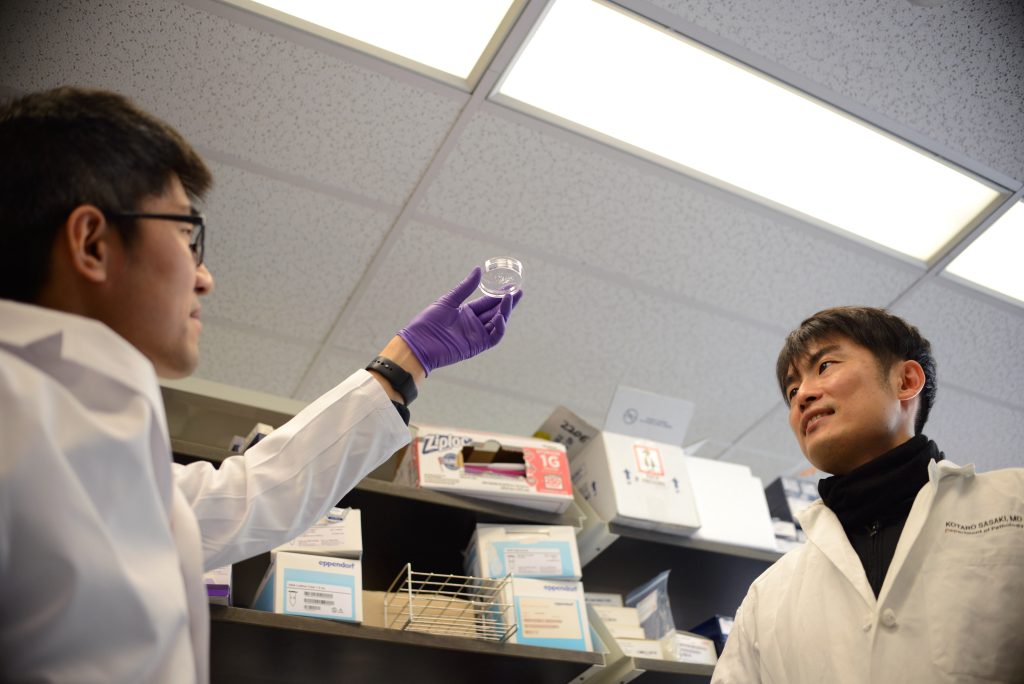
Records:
x=985, y=526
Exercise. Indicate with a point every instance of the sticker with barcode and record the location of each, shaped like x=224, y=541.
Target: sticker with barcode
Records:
x=319, y=599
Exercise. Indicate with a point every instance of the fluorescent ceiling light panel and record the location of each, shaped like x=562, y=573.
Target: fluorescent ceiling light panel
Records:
x=447, y=35
x=595, y=67
x=993, y=260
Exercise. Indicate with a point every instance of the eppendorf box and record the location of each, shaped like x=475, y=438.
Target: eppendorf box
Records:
x=314, y=586
x=637, y=482
x=550, y=613
x=524, y=471
x=546, y=551
x=338, y=534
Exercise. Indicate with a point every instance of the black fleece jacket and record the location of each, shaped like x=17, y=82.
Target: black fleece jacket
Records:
x=873, y=501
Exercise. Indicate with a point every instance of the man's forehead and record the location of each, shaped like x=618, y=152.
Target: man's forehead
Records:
x=814, y=349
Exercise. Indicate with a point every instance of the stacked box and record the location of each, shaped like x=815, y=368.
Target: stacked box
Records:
x=538, y=551
x=551, y=613
x=313, y=586
x=337, y=534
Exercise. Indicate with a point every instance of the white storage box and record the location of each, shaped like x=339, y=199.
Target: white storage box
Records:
x=523, y=471
x=314, y=586
x=637, y=482
x=337, y=534
x=731, y=503
x=539, y=551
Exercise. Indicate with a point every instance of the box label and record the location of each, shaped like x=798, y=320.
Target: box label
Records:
x=547, y=470
x=648, y=461
x=541, y=619
x=536, y=561
x=318, y=594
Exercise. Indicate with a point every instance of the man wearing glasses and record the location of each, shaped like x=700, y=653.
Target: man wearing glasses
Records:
x=103, y=540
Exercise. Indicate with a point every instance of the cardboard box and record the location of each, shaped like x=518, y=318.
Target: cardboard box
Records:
x=641, y=648
x=685, y=647
x=731, y=503
x=539, y=551
x=637, y=482
x=313, y=586
x=338, y=534
x=522, y=471
x=550, y=613
x=603, y=599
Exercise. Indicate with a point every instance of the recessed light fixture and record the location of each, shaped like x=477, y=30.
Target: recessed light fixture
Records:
x=609, y=74
x=448, y=39
x=993, y=260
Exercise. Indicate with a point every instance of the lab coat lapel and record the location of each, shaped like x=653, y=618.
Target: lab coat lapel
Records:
x=824, y=530
x=917, y=518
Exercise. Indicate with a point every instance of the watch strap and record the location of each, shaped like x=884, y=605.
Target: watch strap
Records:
x=396, y=376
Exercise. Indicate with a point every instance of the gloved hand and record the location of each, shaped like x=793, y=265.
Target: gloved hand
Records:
x=449, y=331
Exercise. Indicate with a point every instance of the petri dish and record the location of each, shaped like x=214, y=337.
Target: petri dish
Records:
x=501, y=276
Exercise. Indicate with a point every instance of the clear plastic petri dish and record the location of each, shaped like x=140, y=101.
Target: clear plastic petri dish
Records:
x=502, y=276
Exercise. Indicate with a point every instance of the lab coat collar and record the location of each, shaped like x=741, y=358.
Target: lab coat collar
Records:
x=82, y=341
x=943, y=469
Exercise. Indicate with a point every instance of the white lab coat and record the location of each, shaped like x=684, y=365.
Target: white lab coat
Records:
x=951, y=608
x=103, y=540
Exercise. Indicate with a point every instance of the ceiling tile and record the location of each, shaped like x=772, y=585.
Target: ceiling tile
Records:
x=570, y=341
x=725, y=367
x=952, y=71
x=556, y=194
x=251, y=360
x=232, y=88
x=969, y=429
x=771, y=435
x=977, y=342
x=442, y=402
x=285, y=259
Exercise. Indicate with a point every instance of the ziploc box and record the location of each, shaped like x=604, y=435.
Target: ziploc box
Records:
x=314, y=586
x=550, y=613
x=338, y=534
x=524, y=471
x=637, y=482
x=540, y=551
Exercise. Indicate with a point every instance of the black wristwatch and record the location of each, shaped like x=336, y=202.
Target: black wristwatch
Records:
x=397, y=376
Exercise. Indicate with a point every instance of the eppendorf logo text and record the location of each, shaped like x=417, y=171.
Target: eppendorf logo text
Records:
x=989, y=525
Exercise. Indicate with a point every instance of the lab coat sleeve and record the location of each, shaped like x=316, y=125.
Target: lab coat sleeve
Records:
x=740, y=662
x=285, y=483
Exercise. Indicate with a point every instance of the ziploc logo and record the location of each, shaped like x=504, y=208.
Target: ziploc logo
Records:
x=432, y=443
x=561, y=588
x=336, y=564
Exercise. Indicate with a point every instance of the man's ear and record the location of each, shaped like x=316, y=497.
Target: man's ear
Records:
x=86, y=239
x=911, y=379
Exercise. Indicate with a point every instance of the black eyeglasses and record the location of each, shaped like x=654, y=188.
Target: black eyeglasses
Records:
x=198, y=221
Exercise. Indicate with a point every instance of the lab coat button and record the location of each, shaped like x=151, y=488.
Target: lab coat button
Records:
x=866, y=627
x=888, y=618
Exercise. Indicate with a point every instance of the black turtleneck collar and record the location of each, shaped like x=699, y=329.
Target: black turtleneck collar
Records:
x=882, y=489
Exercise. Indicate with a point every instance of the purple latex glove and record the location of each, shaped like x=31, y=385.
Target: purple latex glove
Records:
x=449, y=331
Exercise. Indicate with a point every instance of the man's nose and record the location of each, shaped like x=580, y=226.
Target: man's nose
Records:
x=204, y=280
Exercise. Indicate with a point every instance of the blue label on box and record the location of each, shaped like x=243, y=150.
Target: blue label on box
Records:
x=550, y=623
x=548, y=559
x=319, y=594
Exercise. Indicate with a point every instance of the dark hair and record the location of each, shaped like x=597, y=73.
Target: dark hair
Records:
x=66, y=147
x=889, y=338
